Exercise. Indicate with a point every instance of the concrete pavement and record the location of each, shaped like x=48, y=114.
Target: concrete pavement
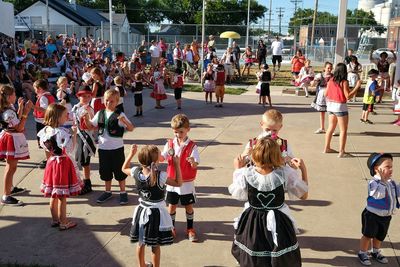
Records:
x=330, y=219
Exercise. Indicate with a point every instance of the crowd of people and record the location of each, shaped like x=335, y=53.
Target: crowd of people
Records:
x=70, y=131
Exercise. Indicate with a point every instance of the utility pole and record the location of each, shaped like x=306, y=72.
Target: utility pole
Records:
x=339, y=53
x=295, y=2
x=269, y=19
x=313, y=23
x=280, y=16
x=248, y=23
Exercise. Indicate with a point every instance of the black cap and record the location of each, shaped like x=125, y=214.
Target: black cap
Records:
x=373, y=159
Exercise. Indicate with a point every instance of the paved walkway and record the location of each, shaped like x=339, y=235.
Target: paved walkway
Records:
x=330, y=219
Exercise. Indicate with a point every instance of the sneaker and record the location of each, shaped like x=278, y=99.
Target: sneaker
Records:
x=123, y=198
x=379, y=257
x=17, y=190
x=87, y=188
x=364, y=259
x=362, y=121
x=42, y=164
x=319, y=131
x=11, y=201
x=369, y=122
x=104, y=197
x=335, y=134
x=191, y=235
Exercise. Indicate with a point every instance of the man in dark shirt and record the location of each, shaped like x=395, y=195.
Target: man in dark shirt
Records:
x=236, y=52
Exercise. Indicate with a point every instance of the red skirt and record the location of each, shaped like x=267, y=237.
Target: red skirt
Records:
x=7, y=146
x=60, y=179
x=97, y=104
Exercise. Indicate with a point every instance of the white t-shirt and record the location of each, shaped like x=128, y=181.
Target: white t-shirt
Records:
x=106, y=142
x=155, y=51
x=277, y=47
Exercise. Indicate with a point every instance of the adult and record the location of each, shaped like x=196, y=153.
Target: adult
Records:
x=211, y=42
x=297, y=63
x=163, y=47
x=248, y=60
x=228, y=59
x=337, y=93
x=142, y=52
x=277, y=47
x=178, y=55
x=261, y=53
x=195, y=49
x=154, y=53
x=236, y=52
x=188, y=59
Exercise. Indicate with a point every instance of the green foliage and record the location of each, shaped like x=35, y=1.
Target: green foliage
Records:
x=20, y=5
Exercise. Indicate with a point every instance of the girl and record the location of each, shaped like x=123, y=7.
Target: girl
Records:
x=265, y=78
x=63, y=96
x=209, y=83
x=248, y=60
x=137, y=94
x=151, y=224
x=61, y=178
x=98, y=89
x=353, y=74
x=297, y=63
x=319, y=103
x=159, y=90
x=265, y=232
x=306, y=76
x=13, y=124
x=396, y=109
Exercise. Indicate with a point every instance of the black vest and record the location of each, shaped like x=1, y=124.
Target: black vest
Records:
x=111, y=124
x=146, y=192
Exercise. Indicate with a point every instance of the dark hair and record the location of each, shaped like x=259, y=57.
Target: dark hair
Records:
x=373, y=72
x=383, y=54
x=328, y=63
x=178, y=71
x=299, y=50
x=340, y=73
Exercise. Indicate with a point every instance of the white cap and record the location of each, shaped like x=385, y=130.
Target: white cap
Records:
x=86, y=77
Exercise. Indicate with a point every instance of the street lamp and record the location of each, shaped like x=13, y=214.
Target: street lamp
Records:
x=111, y=21
x=248, y=23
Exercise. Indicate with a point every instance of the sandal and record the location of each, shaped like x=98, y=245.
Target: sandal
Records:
x=54, y=224
x=330, y=151
x=67, y=226
x=345, y=155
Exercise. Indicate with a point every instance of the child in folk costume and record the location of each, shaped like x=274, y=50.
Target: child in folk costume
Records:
x=151, y=224
x=209, y=82
x=396, y=109
x=13, y=144
x=265, y=78
x=85, y=140
x=319, y=103
x=98, y=89
x=122, y=92
x=63, y=97
x=159, y=90
x=61, y=176
x=265, y=232
x=189, y=155
x=177, y=84
x=137, y=94
x=43, y=100
x=305, y=77
x=220, y=85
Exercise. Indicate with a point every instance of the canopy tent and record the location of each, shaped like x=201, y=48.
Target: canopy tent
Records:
x=7, y=19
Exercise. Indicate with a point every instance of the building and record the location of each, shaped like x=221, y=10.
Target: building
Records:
x=327, y=33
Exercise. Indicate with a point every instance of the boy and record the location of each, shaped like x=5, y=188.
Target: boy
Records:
x=370, y=92
x=43, y=99
x=120, y=88
x=137, y=94
x=271, y=124
x=111, y=125
x=187, y=150
x=177, y=84
x=220, y=85
x=381, y=203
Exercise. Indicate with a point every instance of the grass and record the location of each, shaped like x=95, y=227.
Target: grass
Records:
x=228, y=90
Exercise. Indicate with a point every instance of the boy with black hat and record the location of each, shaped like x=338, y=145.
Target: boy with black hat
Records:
x=381, y=203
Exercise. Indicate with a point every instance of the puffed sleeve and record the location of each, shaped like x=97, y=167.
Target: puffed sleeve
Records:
x=162, y=179
x=64, y=139
x=295, y=186
x=376, y=189
x=10, y=117
x=238, y=189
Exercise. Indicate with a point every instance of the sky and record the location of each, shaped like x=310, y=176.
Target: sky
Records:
x=288, y=7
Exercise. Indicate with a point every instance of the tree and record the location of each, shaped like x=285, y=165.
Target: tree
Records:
x=20, y=5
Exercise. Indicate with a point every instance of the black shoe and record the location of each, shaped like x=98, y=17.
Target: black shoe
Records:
x=123, y=198
x=42, y=164
x=137, y=115
x=17, y=190
x=11, y=201
x=104, y=197
x=379, y=257
x=87, y=188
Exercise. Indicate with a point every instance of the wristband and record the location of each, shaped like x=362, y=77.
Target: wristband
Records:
x=24, y=116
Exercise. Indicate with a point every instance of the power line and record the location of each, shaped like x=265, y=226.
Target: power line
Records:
x=280, y=16
x=295, y=2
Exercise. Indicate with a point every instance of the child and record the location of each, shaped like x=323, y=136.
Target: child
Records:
x=396, y=109
x=137, y=94
x=120, y=88
x=265, y=78
x=12, y=123
x=209, y=83
x=98, y=89
x=61, y=178
x=43, y=100
x=187, y=150
x=319, y=103
x=305, y=76
x=354, y=69
x=382, y=200
x=177, y=84
x=111, y=126
x=159, y=90
x=220, y=85
x=156, y=230
x=265, y=225
x=63, y=96
x=85, y=142
x=383, y=65
x=371, y=90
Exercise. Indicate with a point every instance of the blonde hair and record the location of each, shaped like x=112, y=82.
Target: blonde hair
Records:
x=138, y=76
x=267, y=154
x=111, y=93
x=118, y=80
x=61, y=80
x=97, y=71
x=148, y=157
x=272, y=116
x=5, y=92
x=180, y=121
x=53, y=115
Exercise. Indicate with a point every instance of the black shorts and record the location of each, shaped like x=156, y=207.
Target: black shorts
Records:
x=265, y=89
x=138, y=100
x=174, y=198
x=178, y=93
x=374, y=226
x=276, y=58
x=80, y=155
x=39, y=126
x=369, y=107
x=110, y=164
